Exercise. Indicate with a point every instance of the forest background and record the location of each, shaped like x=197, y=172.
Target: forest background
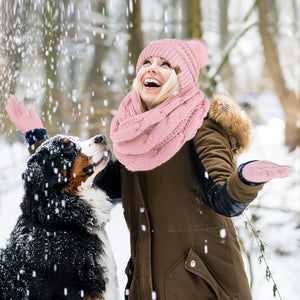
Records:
x=74, y=61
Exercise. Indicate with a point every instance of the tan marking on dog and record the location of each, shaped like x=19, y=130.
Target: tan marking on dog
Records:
x=77, y=175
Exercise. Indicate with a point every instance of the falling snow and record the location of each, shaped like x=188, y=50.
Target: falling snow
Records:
x=278, y=217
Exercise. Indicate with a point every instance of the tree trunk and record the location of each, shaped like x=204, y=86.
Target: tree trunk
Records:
x=50, y=55
x=136, y=38
x=286, y=96
x=96, y=92
x=227, y=74
x=223, y=9
x=193, y=18
x=14, y=24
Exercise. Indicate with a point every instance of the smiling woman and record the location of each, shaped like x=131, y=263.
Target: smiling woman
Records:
x=155, y=82
x=179, y=184
x=151, y=77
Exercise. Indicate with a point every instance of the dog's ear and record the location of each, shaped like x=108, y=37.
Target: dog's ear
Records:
x=40, y=175
x=33, y=178
x=49, y=166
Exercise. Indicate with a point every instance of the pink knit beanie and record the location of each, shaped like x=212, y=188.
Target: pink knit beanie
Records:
x=189, y=56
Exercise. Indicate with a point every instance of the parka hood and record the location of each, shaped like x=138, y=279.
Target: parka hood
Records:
x=229, y=115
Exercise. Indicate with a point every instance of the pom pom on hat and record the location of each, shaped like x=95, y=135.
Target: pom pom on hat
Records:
x=200, y=51
x=188, y=56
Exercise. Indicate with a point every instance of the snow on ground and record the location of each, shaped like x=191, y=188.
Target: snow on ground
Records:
x=13, y=161
x=277, y=225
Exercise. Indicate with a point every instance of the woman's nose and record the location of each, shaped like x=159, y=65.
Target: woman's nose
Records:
x=152, y=69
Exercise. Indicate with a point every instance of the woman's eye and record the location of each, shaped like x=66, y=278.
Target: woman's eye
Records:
x=147, y=62
x=165, y=63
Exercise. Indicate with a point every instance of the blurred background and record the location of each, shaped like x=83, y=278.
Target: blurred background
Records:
x=74, y=61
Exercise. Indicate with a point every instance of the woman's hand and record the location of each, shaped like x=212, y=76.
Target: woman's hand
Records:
x=262, y=171
x=18, y=115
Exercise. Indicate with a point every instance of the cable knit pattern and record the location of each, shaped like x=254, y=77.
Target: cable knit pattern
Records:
x=145, y=140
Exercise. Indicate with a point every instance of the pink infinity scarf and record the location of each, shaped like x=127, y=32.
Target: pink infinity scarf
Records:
x=145, y=140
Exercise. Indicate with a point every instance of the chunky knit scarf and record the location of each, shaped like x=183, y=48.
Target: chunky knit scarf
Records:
x=145, y=140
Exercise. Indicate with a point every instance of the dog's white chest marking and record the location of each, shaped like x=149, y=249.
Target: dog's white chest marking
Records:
x=97, y=200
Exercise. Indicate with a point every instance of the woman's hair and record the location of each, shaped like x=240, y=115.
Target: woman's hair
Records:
x=170, y=88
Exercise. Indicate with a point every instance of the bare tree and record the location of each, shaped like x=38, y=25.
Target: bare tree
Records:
x=14, y=26
x=227, y=73
x=193, y=19
x=94, y=106
x=14, y=21
x=136, y=37
x=224, y=35
x=287, y=97
x=50, y=59
x=53, y=17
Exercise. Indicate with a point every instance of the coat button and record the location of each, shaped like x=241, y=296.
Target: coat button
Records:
x=193, y=263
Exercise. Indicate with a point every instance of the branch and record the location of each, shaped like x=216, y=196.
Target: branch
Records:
x=284, y=210
x=230, y=48
x=233, y=43
x=262, y=257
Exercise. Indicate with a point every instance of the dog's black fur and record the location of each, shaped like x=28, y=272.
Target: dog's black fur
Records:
x=53, y=251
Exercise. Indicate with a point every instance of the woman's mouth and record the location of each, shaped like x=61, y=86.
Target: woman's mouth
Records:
x=152, y=83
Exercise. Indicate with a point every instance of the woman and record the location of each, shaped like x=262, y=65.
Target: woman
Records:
x=179, y=186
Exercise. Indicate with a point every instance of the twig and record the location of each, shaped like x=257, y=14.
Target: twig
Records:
x=230, y=48
x=284, y=210
x=233, y=43
x=262, y=257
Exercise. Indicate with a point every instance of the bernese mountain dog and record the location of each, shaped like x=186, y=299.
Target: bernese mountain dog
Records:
x=59, y=248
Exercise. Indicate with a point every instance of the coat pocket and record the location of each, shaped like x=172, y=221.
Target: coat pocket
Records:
x=190, y=279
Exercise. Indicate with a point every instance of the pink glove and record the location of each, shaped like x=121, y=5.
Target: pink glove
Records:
x=18, y=115
x=263, y=171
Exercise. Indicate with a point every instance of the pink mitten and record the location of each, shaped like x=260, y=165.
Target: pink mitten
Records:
x=262, y=171
x=18, y=115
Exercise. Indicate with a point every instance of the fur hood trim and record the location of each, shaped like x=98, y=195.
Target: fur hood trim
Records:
x=228, y=114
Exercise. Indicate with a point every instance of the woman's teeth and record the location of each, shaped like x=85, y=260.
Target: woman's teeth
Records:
x=152, y=83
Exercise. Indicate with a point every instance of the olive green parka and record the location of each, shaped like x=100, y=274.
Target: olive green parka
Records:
x=180, y=247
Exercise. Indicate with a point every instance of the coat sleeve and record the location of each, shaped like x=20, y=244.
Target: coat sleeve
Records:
x=35, y=138
x=226, y=192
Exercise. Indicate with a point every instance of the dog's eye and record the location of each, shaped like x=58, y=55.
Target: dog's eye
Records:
x=89, y=170
x=69, y=147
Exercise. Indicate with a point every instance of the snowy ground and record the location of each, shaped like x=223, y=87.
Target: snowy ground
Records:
x=278, y=226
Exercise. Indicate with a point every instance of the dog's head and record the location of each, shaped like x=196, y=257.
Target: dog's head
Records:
x=65, y=162
x=61, y=166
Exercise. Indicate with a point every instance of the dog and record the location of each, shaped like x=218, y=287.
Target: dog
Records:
x=59, y=248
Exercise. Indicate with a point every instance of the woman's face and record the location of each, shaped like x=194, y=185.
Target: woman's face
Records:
x=153, y=74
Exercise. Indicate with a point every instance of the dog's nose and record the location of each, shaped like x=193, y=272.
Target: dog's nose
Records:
x=100, y=139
